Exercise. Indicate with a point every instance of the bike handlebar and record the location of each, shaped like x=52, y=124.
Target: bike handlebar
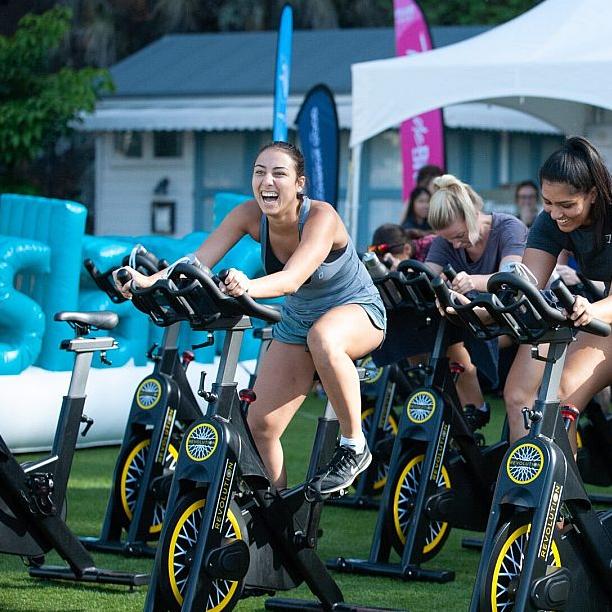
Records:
x=191, y=293
x=408, y=287
x=589, y=290
x=449, y=272
x=407, y=265
x=140, y=259
x=517, y=308
x=596, y=327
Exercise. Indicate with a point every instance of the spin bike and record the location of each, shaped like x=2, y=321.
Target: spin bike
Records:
x=439, y=476
x=33, y=494
x=163, y=406
x=545, y=548
x=594, y=429
x=228, y=533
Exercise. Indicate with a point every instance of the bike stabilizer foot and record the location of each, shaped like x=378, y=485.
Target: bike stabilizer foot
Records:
x=471, y=543
x=342, y=606
x=117, y=547
x=91, y=574
x=391, y=570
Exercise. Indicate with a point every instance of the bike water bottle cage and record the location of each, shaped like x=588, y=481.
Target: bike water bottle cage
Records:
x=517, y=308
x=191, y=293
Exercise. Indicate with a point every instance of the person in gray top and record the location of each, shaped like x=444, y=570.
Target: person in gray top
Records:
x=476, y=245
x=332, y=314
x=577, y=197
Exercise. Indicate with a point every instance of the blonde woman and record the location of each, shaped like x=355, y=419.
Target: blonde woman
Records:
x=476, y=244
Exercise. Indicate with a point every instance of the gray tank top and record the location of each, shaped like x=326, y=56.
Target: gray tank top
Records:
x=344, y=280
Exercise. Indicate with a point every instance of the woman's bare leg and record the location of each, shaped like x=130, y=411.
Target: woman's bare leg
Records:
x=522, y=387
x=587, y=371
x=340, y=336
x=285, y=378
x=468, y=387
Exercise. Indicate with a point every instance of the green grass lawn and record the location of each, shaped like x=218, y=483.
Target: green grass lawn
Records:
x=346, y=532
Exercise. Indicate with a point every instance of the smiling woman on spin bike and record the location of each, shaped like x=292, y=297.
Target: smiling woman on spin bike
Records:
x=577, y=197
x=332, y=314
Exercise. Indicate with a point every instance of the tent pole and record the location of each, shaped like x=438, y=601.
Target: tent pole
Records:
x=352, y=213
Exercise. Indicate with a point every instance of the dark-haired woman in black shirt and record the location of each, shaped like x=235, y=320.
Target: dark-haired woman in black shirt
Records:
x=577, y=197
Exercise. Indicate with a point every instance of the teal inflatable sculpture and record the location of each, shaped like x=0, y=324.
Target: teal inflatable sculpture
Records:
x=22, y=321
x=59, y=225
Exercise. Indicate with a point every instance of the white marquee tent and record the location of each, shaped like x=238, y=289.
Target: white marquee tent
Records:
x=554, y=62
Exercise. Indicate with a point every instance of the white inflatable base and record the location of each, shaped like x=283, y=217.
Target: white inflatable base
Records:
x=30, y=402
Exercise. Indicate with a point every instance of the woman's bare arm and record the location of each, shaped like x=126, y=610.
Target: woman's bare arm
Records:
x=239, y=222
x=315, y=244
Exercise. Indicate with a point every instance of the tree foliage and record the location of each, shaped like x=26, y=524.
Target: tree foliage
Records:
x=131, y=24
x=475, y=12
x=38, y=101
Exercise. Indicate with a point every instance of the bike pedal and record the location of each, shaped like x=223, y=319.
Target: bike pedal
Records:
x=311, y=495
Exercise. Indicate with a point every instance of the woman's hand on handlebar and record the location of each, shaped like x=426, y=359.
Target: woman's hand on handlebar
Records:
x=235, y=283
x=140, y=279
x=462, y=283
x=457, y=298
x=582, y=311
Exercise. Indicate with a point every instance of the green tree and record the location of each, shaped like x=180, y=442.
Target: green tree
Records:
x=481, y=12
x=38, y=99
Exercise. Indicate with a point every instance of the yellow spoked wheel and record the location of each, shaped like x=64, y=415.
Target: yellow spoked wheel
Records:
x=131, y=468
x=177, y=551
x=404, y=490
x=381, y=466
x=373, y=372
x=506, y=564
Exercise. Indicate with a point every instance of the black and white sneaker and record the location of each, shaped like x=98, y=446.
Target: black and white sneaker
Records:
x=344, y=466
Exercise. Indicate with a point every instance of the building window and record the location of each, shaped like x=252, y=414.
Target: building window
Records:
x=163, y=216
x=520, y=158
x=167, y=144
x=386, y=166
x=128, y=144
x=224, y=165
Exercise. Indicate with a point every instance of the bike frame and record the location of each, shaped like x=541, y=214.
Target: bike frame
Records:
x=31, y=526
x=173, y=401
x=228, y=459
x=554, y=481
